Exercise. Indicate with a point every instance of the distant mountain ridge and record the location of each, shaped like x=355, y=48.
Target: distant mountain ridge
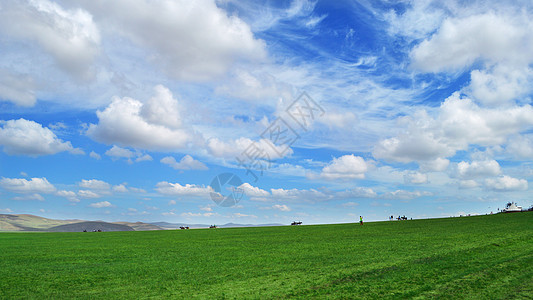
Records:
x=167, y=225
x=25, y=222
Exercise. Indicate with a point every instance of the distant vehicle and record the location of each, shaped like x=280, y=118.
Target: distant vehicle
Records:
x=296, y=223
x=512, y=207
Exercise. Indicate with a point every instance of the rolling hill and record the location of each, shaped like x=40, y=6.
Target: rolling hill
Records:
x=25, y=222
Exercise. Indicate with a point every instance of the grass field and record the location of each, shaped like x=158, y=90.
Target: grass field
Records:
x=487, y=257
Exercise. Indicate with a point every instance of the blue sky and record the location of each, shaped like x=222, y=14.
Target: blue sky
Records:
x=325, y=110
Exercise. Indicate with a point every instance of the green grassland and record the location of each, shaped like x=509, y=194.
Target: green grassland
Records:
x=485, y=257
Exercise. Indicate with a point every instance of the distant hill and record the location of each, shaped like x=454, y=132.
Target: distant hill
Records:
x=24, y=222
x=90, y=226
x=140, y=226
x=168, y=225
x=29, y=223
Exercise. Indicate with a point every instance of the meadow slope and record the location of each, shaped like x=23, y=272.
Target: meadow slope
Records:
x=474, y=257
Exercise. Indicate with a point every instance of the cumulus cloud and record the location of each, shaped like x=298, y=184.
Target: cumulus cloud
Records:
x=94, y=184
x=506, y=183
x=16, y=88
x=32, y=186
x=500, y=84
x=460, y=41
x=88, y=194
x=345, y=167
x=459, y=123
x=168, y=188
x=121, y=188
x=477, y=169
x=502, y=41
x=253, y=191
x=129, y=122
x=192, y=40
x=70, y=195
x=415, y=178
x=70, y=37
x=23, y=137
x=186, y=163
x=118, y=152
x=521, y=146
x=101, y=204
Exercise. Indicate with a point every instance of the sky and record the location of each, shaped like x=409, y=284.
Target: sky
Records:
x=255, y=112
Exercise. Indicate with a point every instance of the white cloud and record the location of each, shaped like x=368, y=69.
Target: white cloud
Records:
x=500, y=84
x=236, y=148
x=121, y=188
x=172, y=202
x=6, y=210
x=69, y=36
x=16, y=88
x=168, y=188
x=95, y=155
x=345, y=167
x=436, y=165
x=296, y=194
x=415, y=178
x=501, y=41
x=350, y=204
x=192, y=40
x=506, y=183
x=70, y=195
x=420, y=19
x=145, y=157
x=405, y=195
x=88, y=194
x=101, y=204
x=477, y=169
x=281, y=207
x=190, y=214
x=468, y=184
x=339, y=120
x=253, y=192
x=207, y=208
x=154, y=128
x=30, y=197
x=357, y=192
x=459, y=42
x=23, y=137
x=255, y=86
x=460, y=123
x=94, y=184
x=21, y=185
x=240, y=215
x=521, y=146
x=116, y=151
x=186, y=163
